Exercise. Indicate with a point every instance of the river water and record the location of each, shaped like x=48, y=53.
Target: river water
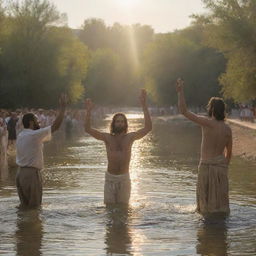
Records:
x=161, y=218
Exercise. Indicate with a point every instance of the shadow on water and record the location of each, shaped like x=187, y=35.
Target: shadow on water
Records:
x=4, y=172
x=118, y=236
x=29, y=233
x=212, y=237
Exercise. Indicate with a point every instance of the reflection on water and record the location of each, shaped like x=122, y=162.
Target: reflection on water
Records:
x=212, y=239
x=29, y=233
x=4, y=172
x=118, y=236
x=161, y=219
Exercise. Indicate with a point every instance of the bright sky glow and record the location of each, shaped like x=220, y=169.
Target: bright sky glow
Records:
x=162, y=15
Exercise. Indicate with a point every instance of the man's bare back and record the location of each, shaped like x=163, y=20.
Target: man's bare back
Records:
x=215, y=139
x=216, y=134
x=212, y=193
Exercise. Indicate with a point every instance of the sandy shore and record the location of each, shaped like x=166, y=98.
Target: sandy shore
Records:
x=244, y=141
x=244, y=137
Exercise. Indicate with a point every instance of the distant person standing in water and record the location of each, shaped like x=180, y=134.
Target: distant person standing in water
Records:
x=11, y=127
x=216, y=151
x=29, y=156
x=119, y=146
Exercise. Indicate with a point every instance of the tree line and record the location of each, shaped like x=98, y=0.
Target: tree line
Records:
x=40, y=57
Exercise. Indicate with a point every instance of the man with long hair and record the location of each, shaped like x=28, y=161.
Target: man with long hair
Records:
x=118, y=145
x=216, y=151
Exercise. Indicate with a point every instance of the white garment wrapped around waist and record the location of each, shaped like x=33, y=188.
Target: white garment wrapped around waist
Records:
x=220, y=161
x=212, y=186
x=117, y=178
x=117, y=188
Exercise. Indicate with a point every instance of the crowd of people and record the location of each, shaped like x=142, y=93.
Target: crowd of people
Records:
x=11, y=125
x=244, y=112
x=247, y=113
x=11, y=122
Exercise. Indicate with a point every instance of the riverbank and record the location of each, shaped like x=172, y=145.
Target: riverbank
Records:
x=244, y=139
x=244, y=136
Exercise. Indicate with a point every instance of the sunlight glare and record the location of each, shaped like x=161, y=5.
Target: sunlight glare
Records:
x=128, y=3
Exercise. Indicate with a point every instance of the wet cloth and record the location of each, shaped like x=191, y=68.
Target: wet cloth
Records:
x=29, y=186
x=117, y=188
x=212, y=186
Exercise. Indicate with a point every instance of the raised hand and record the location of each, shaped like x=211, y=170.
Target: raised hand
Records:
x=143, y=97
x=179, y=85
x=88, y=104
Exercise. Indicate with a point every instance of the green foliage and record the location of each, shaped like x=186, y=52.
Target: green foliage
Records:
x=103, y=83
x=40, y=57
x=71, y=61
x=231, y=28
x=181, y=54
x=136, y=58
x=116, y=60
x=40, y=60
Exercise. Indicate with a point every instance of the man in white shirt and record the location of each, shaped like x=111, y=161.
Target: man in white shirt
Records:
x=29, y=156
x=42, y=118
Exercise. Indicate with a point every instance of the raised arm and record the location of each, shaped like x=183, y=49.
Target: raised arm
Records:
x=63, y=100
x=183, y=107
x=87, y=126
x=147, y=119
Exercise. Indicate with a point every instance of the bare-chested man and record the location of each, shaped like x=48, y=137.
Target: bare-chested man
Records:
x=118, y=145
x=216, y=150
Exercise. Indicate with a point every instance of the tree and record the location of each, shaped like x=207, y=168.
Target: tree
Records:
x=121, y=44
x=230, y=27
x=71, y=59
x=103, y=84
x=181, y=54
x=94, y=34
x=40, y=60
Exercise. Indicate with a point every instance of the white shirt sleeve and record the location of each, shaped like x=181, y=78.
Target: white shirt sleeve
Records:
x=43, y=134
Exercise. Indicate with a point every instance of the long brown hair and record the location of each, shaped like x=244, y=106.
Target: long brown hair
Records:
x=216, y=107
x=112, y=125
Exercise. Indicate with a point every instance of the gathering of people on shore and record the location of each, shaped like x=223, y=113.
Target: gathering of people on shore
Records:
x=11, y=125
x=243, y=112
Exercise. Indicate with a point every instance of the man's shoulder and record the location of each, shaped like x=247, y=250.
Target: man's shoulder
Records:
x=131, y=135
x=107, y=135
x=35, y=132
x=227, y=125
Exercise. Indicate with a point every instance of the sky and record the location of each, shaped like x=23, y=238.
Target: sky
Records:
x=162, y=15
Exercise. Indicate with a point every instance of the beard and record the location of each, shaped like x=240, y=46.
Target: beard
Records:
x=118, y=130
x=36, y=126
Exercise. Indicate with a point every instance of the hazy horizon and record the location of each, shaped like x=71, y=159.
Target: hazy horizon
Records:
x=164, y=16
